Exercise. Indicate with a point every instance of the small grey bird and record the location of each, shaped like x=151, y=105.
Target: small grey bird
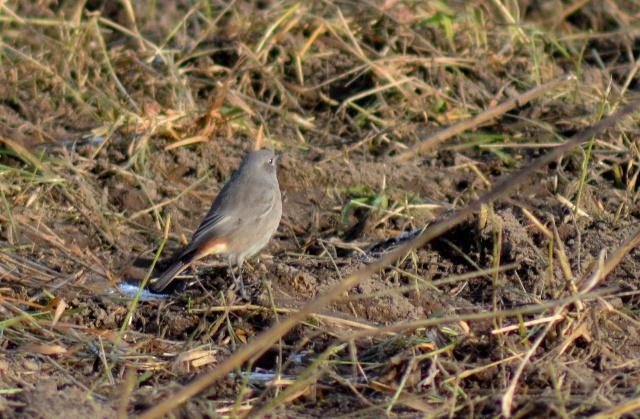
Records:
x=240, y=222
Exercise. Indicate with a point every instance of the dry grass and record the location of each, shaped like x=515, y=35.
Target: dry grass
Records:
x=498, y=132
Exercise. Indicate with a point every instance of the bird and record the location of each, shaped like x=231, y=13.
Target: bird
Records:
x=242, y=219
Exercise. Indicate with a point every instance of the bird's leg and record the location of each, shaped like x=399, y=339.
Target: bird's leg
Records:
x=238, y=280
x=243, y=290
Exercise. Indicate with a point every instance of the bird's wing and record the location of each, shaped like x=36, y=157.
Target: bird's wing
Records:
x=218, y=221
x=230, y=211
x=213, y=222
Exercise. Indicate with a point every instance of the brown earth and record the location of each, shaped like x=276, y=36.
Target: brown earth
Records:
x=80, y=217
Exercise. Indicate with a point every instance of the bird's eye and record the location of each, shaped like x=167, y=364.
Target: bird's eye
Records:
x=271, y=160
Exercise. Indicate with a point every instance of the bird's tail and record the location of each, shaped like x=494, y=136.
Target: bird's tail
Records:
x=163, y=281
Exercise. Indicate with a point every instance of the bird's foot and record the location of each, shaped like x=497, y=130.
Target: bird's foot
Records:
x=243, y=291
x=239, y=284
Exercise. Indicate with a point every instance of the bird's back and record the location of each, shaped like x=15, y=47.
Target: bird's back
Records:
x=248, y=205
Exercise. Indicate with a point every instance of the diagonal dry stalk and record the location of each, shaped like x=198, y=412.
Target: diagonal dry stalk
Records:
x=481, y=118
x=271, y=335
